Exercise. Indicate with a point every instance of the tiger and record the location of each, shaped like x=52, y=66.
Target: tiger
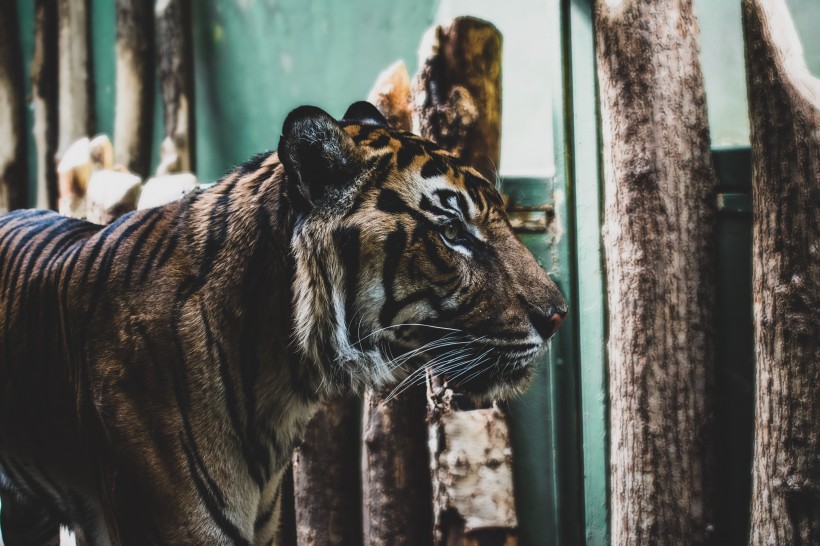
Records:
x=157, y=373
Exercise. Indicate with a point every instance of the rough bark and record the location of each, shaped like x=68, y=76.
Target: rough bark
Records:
x=175, y=63
x=396, y=486
x=471, y=464
x=326, y=477
x=457, y=91
x=658, y=237
x=784, y=103
x=44, y=72
x=391, y=95
x=133, y=115
x=13, y=168
x=456, y=102
x=75, y=97
x=396, y=489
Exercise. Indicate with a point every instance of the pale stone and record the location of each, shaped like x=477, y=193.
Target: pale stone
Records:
x=165, y=189
x=111, y=194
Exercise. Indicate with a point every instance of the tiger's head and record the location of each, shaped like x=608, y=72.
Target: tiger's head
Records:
x=405, y=259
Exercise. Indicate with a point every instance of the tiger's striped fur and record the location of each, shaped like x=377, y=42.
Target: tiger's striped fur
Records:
x=156, y=373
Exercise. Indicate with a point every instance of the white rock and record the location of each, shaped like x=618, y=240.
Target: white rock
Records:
x=111, y=194
x=165, y=189
x=73, y=174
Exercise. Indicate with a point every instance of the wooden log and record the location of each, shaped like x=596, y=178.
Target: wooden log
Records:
x=659, y=232
x=457, y=91
x=75, y=96
x=784, y=108
x=326, y=477
x=133, y=115
x=13, y=167
x=44, y=75
x=456, y=102
x=391, y=95
x=175, y=63
x=396, y=488
x=471, y=464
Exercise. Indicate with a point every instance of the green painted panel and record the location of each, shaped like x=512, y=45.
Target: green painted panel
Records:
x=256, y=60
x=589, y=319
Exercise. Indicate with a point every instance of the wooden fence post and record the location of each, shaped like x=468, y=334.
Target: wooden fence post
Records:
x=44, y=76
x=658, y=237
x=326, y=477
x=784, y=107
x=457, y=104
x=396, y=491
x=75, y=98
x=133, y=115
x=176, y=68
x=13, y=168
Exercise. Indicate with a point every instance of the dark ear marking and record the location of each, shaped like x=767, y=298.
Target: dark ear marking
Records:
x=365, y=113
x=319, y=157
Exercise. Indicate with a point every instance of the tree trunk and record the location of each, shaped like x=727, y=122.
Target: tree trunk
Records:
x=784, y=103
x=396, y=489
x=133, y=114
x=175, y=62
x=659, y=237
x=457, y=91
x=326, y=477
x=74, y=61
x=44, y=72
x=457, y=103
x=13, y=167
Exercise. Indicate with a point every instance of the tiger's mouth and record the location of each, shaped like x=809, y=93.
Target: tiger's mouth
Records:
x=497, y=373
x=472, y=367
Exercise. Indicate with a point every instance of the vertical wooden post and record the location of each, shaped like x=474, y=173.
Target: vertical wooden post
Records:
x=44, y=75
x=326, y=477
x=457, y=92
x=133, y=116
x=457, y=103
x=74, y=61
x=176, y=67
x=396, y=489
x=658, y=237
x=13, y=168
x=784, y=107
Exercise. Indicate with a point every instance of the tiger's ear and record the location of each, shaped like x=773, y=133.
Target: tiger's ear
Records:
x=320, y=158
x=365, y=113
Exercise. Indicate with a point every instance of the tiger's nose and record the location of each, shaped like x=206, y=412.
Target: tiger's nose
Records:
x=547, y=324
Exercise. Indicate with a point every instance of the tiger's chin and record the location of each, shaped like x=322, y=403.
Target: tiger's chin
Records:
x=501, y=381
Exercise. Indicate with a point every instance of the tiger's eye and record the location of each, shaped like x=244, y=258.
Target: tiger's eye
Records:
x=452, y=231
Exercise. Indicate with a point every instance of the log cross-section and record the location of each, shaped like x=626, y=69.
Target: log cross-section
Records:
x=784, y=107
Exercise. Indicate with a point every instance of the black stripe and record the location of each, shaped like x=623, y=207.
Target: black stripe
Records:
x=434, y=167
x=217, y=352
x=264, y=517
x=212, y=503
x=348, y=243
x=135, y=252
